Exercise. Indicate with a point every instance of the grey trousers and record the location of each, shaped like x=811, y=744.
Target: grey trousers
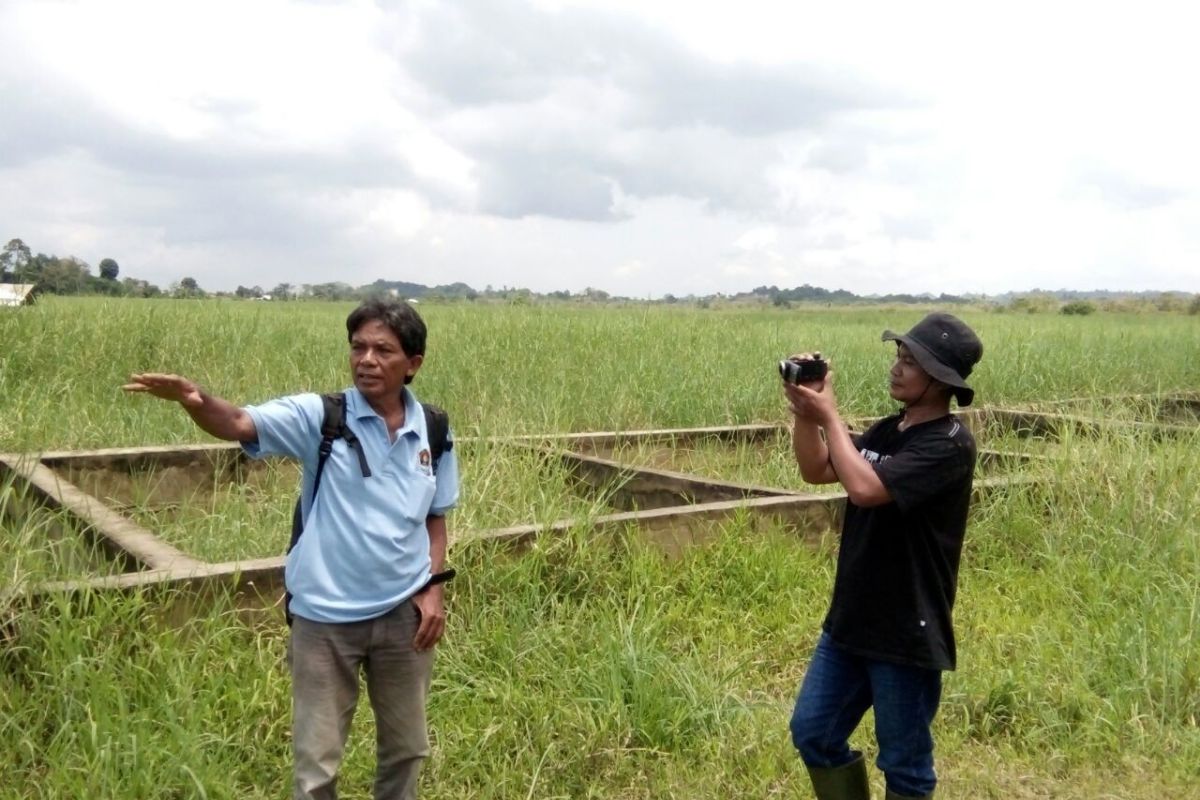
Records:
x=325, y=660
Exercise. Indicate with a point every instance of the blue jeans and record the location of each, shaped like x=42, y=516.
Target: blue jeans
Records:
x=838, y=689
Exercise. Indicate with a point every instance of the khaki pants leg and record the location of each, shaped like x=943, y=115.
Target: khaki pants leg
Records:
x=398, y=679
x=325, y=660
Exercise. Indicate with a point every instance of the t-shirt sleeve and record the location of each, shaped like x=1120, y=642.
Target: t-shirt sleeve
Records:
x=288, y=426
x=445, y=495
x=925, y=468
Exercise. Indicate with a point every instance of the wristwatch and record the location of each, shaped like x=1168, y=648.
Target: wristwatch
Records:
x=444, y=576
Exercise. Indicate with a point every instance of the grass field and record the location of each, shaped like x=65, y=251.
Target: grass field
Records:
x=600, y=668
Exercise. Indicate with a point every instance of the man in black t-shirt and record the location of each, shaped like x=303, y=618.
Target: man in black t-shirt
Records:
x=888, y=634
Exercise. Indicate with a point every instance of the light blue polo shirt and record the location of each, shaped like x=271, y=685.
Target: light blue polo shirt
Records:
x=365, y=547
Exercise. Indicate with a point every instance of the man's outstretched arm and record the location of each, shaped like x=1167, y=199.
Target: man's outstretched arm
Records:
x=215, y=416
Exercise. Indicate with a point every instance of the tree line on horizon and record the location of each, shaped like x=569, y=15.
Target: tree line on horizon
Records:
x=73, y=276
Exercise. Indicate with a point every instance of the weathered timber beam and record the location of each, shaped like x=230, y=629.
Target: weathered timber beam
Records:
x=106, y=527
x=255, y=587
x=1181, y=406
x=259, y=582
x=811, y=513
x=1005, y=458
x=264, y=574
x=610, y=438
x=137, y=457
x=1035, y=423
x=632, y=487
x=1154, y=398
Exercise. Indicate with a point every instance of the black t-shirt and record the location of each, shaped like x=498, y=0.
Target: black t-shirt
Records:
x=898, y=563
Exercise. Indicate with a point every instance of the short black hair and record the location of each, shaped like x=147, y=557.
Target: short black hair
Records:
x=400, y=318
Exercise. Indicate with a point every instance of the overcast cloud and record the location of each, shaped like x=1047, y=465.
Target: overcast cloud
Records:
x=642, y=148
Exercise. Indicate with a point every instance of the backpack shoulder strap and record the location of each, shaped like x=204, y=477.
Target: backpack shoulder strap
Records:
x=437, y=430
x=332, y=421
x=333, y=426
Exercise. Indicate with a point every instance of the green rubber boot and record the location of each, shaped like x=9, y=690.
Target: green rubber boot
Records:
x=893, y=796
x=847, y=782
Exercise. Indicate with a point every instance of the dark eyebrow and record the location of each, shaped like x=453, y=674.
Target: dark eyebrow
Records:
x=382, y=344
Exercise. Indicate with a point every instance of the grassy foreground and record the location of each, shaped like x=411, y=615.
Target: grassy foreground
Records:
x=585, y=668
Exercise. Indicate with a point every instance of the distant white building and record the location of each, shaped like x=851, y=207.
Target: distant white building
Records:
x=16, y=294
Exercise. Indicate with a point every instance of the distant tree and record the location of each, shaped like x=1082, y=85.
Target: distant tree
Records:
x=109, y=269
x=248, y=293
x=96, y=285
x=187, y=288
x=331, y=291
x=1035, y=302
x=282, y=292
x=1171, y=301
x=1194, y=306
x=134, y=287
x=68, y=275
x=1078, y=308
x=14, y=260
x=33, y=269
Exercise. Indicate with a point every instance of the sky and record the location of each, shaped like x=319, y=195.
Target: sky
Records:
x=641, y=148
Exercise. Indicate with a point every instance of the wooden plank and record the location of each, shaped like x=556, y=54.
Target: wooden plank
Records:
x=635, y=487
x=258, y=583
x=108, y=528
x=1042, y=424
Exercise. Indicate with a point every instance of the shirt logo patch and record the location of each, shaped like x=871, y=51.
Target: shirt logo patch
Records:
x=872, y=457
x=423, y=457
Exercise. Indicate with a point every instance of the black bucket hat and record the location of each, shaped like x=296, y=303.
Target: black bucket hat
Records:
x=946, y=348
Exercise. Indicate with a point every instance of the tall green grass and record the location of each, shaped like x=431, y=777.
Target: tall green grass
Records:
x=603, y=668
x=1080, y=609
x=586, y=666
x=503, y=370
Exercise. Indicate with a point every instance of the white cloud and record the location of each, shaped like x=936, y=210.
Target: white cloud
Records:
x=628, y=269
x=760, y=238
x=393, y=213
x=874, y=147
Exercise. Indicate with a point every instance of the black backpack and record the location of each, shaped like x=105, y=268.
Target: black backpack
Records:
x=333, y=426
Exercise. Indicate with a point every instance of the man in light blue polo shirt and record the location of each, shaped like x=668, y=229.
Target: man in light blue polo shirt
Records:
x=365, y=575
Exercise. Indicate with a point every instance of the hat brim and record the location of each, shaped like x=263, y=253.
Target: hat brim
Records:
x=935, y=368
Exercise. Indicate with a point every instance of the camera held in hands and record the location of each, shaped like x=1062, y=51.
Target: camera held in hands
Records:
x=797, y=370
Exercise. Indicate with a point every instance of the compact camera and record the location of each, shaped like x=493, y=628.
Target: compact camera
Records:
x=795, y=370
